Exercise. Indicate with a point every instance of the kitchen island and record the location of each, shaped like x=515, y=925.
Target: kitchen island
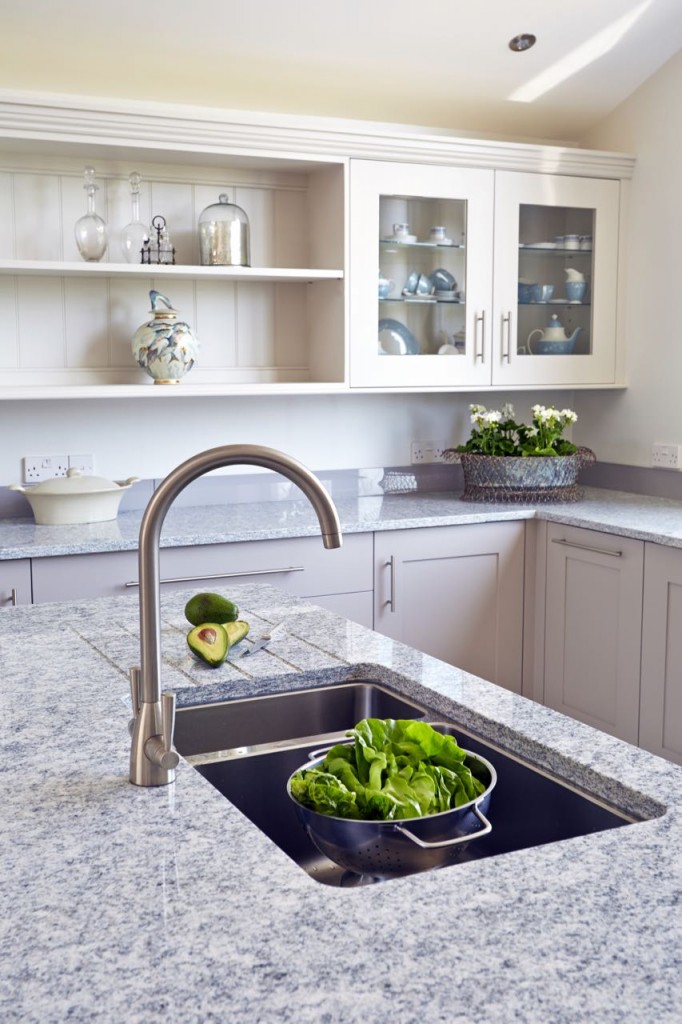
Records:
x=126, y=905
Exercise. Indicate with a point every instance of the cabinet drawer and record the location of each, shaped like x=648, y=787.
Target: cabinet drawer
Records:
x=299, y=565
x=15, y=582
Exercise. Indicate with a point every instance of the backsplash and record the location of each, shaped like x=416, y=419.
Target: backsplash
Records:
x=240, y=488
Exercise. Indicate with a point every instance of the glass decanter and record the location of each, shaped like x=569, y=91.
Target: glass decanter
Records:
x=136, y=233
x=90, y=229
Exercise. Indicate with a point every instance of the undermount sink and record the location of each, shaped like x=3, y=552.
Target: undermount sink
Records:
x=248, y=748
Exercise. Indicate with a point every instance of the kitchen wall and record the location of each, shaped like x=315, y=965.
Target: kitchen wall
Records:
x=147, y=437
x=621, y=426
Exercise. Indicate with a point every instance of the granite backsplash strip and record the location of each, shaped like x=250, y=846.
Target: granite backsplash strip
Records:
x=244, y=488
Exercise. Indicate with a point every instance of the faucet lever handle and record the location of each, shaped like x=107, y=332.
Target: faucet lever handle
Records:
x=167, y=719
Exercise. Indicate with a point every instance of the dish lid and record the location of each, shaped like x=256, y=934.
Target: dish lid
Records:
x=76, y=482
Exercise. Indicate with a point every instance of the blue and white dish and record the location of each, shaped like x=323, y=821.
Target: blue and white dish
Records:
x=443, y=281
x=395, y=339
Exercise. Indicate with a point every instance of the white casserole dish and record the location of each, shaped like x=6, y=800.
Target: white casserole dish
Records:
x=75, y=498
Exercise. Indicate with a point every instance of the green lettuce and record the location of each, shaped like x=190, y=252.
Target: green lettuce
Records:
x=393, y=769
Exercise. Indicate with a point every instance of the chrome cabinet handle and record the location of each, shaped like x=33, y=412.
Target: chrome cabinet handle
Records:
x=13, y=597
x=506, y=349
x=479, y=353
x=391, y=600
x=587, y=547
x=224, y=575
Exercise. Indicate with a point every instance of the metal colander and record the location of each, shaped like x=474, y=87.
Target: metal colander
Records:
x=389, y=848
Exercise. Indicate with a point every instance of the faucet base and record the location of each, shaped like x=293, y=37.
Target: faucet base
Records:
x=143, y=770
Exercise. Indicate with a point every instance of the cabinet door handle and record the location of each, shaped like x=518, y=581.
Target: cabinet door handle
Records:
x=479, y=353
x=506, y=336
x=391, y=599
x=224, y=575
x=13, y=597
x=587, y=547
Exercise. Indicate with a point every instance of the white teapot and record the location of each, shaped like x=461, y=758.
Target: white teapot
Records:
x=553, y=340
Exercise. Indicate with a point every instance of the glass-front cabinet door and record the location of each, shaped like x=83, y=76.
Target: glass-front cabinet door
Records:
x=421, y=242
x=556, y=263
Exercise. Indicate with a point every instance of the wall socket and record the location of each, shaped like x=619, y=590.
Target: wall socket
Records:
x=47, y=467
x=666, y=456
x=422, y=452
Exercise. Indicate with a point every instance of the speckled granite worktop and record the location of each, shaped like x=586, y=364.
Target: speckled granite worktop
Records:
x=166, y=906
x=631, y=515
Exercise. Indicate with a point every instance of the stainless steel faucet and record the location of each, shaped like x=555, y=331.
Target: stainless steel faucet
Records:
x=152, y=758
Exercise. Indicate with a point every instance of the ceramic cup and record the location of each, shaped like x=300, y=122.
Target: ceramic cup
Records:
x=545, y=291
x=385, y=287
x=575, y=290
x=443, y=280
x=401, y=230
x=571, y=241
x=438, y=234
x=410, y=286
x=425, y=285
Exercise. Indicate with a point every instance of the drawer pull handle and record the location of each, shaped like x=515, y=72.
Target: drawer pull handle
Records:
x=224, y=575
x=587, y=547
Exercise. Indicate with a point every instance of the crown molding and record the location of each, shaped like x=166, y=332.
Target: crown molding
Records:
x=55, y=118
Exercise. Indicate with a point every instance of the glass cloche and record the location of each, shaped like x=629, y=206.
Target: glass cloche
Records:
x=224, y=235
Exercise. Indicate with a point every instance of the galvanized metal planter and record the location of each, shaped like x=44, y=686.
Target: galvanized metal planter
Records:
x=543, y=478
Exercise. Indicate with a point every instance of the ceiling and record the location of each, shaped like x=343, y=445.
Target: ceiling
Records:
x=436, y=63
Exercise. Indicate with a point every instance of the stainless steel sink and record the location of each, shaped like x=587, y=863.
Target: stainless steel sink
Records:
x=239, y=727
x=247, y=749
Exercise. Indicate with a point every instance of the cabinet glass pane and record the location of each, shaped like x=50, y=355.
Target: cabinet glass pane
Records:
x=422, y=276
x=555, y=280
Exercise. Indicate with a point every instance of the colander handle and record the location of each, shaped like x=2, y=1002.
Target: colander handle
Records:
x=487, y=827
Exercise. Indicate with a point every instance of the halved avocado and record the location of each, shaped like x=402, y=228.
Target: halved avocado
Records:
x=210, y=642
x=236, y=631
x=206, y=607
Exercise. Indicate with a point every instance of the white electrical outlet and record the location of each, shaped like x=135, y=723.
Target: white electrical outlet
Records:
x=666, y=456
x=84, y=462
x=427, y=451
x=44, y=467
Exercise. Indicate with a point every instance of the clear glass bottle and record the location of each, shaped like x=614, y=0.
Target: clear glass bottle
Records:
x=90, y=229
x=136, y=233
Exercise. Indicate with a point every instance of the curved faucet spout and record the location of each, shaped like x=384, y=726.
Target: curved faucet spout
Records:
x=152, y=731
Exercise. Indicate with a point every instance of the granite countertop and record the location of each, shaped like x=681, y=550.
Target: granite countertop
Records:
x=149, y=906
x=631, y=515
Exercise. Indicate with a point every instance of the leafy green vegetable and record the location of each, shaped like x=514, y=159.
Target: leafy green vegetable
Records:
x=393, y=769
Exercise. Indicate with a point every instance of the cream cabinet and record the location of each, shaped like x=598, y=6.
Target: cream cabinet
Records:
x=15, y=582
x=340, y=579
x=592, y=628
x=474, y=266
x=660, y=727
x=455, y=592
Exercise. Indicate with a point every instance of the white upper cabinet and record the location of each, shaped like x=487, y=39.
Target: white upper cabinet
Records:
x=323, y=199
x=428, y=323
x=516, y=286
x=556, y=276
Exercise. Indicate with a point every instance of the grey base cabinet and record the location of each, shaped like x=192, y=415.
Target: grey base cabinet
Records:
x=660, y=724
x=15, y=582
x=340, y=579
x=455, y=592
x=593, y=617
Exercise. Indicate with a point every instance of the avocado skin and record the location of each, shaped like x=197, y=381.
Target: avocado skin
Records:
x=206, y=607
x=236, y=631
x=210, y=642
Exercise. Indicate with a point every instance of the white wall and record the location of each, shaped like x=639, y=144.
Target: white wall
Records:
x=621, y=426
x=147, y=438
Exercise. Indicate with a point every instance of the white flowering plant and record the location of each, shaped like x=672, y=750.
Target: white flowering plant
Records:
x=496, y=432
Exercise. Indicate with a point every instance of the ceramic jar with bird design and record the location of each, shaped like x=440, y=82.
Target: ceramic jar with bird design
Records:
x=165, y=347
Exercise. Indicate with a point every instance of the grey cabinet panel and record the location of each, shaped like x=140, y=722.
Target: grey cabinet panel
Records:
x=593, y=618
x=660, y=723
x=15, y=582
x=455, y=592
x=299, y=565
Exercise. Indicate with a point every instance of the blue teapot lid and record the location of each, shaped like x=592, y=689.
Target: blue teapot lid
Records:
x=554, y=321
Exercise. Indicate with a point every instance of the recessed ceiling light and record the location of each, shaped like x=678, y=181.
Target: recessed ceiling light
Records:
x=523, y=42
